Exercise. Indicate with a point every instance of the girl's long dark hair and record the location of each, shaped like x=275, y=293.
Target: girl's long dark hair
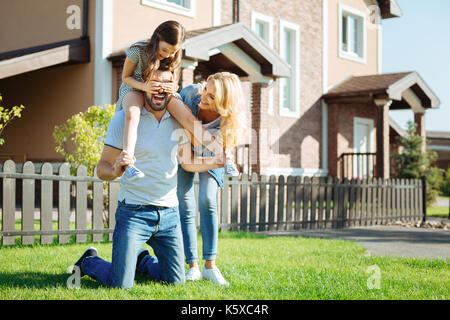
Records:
x=173, y=33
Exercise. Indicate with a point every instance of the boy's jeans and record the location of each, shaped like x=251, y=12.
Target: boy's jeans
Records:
x=159, y=227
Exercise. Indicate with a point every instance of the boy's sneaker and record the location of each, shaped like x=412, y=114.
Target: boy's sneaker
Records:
x=140, y=256
x=231, y=170
x=132, y=173
x=193, y=274
x=90, y=252
x=215, y=276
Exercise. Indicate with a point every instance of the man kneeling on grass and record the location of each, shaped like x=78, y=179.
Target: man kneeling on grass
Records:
x=148, y=208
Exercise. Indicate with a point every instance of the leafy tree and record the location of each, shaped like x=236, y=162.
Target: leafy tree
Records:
x=80, y=140
x=6, y=116
x=412, y=163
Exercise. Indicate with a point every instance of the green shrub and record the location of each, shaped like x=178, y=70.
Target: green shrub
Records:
x=6, y=116
x=86, y=132
x=435, y=180
x=445, y=186
x=412, y=163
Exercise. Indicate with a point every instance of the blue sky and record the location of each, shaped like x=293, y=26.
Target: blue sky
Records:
x=420, y=41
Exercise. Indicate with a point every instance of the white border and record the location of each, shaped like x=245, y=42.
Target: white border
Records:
x=324, y=83
x=362, y=15
x=269, y=20
x=171, y=7
x=325, y=44
x=217, y=13
x=104, y=15
x=380, y=48
x=283, y=111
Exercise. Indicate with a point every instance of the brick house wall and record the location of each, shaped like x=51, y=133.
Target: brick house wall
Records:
x=288, y=142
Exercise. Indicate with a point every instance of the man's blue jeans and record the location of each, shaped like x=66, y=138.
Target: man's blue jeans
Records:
x=207, y=201
x=159, y=227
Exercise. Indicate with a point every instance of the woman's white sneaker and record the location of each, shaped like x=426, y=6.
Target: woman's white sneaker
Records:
x=215, y=276
x=193, y=274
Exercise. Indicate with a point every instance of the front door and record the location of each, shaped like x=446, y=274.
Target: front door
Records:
x=362, y=145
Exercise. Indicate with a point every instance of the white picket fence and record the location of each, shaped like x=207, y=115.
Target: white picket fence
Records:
x=63, y=205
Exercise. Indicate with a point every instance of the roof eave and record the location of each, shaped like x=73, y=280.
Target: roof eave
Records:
x=396, y=89
x=389, y=9
x=199, y=47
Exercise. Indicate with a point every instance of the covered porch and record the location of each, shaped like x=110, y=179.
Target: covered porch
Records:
x=359, y=127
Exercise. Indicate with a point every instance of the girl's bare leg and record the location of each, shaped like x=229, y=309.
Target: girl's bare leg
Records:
x=132, y=104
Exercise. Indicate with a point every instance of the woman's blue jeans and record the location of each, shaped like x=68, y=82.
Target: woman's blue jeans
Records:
x=207, y=201
x=159, y=227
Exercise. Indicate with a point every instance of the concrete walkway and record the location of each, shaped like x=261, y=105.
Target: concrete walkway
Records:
x=440, y=202
x=387, y=240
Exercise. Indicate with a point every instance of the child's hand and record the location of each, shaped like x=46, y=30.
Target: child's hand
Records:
x=170, y=87
x=153, y=87
x=123, y=160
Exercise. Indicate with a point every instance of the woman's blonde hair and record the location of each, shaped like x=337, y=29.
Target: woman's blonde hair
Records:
x=229, y=100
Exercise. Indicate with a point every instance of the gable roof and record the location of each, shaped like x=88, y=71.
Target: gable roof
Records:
x=362, y=84
x=392, y=86
x=200, y=43
x=389, y=9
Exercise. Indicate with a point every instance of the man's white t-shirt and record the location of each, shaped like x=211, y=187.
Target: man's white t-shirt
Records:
x=156, y=155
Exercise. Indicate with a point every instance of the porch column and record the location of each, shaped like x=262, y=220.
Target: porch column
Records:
x=419, y=120
x=257, y=125
x=186, y=77
x=333, y=127
x=383, y=143
x=187, y=73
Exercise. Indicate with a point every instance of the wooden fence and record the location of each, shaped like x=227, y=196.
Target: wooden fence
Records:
x=357, y=165
x=59, y=205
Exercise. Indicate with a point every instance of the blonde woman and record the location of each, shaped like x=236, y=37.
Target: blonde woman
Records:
x=218, y=104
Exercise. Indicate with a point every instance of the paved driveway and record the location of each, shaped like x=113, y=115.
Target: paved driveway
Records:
x=388, y=240
x=441, y=203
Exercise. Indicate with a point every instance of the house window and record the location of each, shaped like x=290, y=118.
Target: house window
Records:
x=182, y=3
x=182, y=7
x=261, y=28
x=290, y=52
x=352, y=34
x=262, y=25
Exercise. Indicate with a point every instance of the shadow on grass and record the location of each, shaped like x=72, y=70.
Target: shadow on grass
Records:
x=39, y=280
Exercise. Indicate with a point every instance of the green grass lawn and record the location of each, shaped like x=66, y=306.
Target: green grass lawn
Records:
x=257, y=267
x=438, y=212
